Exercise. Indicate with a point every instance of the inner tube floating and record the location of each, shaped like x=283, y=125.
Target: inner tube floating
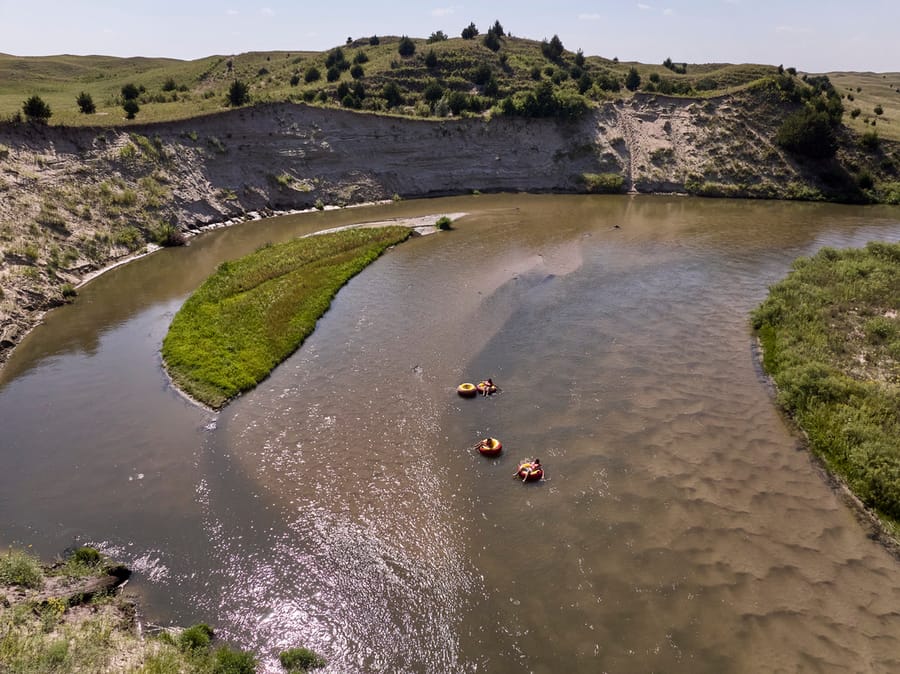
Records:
x=467, y=390
x=490, y=448
x=483, y=386
x=528, y=473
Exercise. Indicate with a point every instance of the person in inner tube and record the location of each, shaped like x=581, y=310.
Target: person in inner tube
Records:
x=488, y=387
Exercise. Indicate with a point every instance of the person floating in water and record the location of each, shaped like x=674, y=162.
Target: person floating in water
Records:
x=487, y=387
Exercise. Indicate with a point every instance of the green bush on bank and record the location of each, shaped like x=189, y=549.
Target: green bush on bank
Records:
x=603, y=183
x=830, y=336
x=253, y=313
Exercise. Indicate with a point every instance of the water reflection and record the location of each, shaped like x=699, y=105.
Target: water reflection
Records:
x=337, y=506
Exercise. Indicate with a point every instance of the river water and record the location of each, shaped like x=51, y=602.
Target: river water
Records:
x=681, y=527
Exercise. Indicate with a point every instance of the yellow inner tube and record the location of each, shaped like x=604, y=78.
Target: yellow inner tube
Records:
x=493, y=445
x=466, y=389
x=528, y=470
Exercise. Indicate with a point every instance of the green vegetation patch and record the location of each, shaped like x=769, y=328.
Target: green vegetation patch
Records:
x=603, y=183
x=830, y=335
x=253, y=313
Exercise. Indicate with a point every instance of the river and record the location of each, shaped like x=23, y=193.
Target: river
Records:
x=682, y=527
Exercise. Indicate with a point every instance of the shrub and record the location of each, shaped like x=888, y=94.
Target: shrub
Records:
x=865, y=180
x=357, y=72
x=169, y=236
x=391, y=94
x=231, y=661
x=131, y=108
x=374, y=41
x=431, y=59
x=20, y=568
x=482, y=74
x=808, y=133
x=333, y=74
x=335, y=57
x=406, y=47
x=196, y=637
x=238, y=93
x=553, y=49
x=603, y=183
x=470, y=32
x=68, y=291
x=443, y=222
x=855, y=112
x=295, y=80
x=86, y=103
x=36, y=110
x=878, y=110
x=433, y=92
x=169, y=84
x=87, y=556
x=491, y=41
x=632, y=80
x=130, y=92
x=437, y=36
x=299, y=660
x=870, y=140
x=579, y=58
x=880, y=329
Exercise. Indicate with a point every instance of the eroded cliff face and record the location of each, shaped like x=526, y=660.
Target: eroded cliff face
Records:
x=73, y=200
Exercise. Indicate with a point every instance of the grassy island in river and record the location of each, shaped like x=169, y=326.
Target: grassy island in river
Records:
x=253, y=313
x=830, y=336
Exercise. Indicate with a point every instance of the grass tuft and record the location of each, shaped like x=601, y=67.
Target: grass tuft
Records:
x=20, y=568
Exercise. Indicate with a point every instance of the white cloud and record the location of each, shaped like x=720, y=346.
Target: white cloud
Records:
x=590, y=17
x=443, y=11
x=232, y=12
x=643, y=7
x=267, y=11
x=668, y=12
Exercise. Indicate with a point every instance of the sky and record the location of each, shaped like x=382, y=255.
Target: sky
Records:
x=810, y=35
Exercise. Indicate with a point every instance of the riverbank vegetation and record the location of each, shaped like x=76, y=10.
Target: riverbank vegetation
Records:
x=830, y=337
x=71, y=616
x=253, y=313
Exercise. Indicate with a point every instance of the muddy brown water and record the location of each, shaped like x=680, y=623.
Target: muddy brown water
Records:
x=681, y=528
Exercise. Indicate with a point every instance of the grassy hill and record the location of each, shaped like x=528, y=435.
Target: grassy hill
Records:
x=867, y=92
x=464, y=75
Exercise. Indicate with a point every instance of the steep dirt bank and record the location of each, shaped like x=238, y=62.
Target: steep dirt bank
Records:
x=73, y=200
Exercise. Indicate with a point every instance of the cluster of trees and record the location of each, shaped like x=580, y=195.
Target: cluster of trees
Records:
x=552, y=49
x=810, y=130
x=680, y=68
x=544, y=101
